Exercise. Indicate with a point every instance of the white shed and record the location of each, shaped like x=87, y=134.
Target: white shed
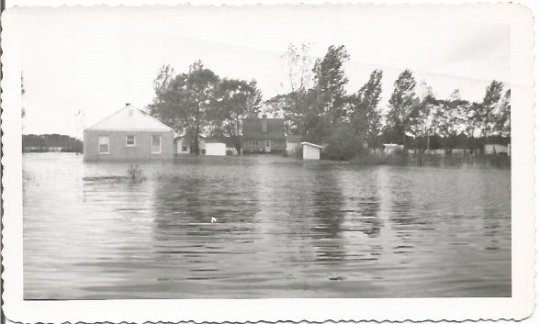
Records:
x=216, y=149
x=392, y=148
x=311, y=151
x=495, y=149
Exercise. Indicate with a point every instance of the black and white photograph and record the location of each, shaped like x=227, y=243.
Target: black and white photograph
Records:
x=269, y=152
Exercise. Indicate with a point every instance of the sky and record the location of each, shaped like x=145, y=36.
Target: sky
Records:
x=97, y=59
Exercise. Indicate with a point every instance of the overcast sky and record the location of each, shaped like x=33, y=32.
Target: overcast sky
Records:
x=96, y=60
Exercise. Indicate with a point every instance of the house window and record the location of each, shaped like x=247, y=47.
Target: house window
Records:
x=184, y=148
x=130, y=140
x=156, y=144
x=103, y=144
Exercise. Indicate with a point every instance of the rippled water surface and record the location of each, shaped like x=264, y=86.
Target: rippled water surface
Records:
x=285, y=228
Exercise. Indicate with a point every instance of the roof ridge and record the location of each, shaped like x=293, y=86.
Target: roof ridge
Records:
x=141, y=119
x=105, y=118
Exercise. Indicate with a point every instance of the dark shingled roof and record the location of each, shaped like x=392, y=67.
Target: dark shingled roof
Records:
x=253, y=128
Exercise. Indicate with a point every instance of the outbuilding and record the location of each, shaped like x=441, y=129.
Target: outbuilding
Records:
x=128, y=135
x=392, y=148
x=216, y=148
x=311, y=151
x=185, y=146
x=495, y=149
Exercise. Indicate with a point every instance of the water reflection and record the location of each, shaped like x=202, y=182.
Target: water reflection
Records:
x=328, y=218
x=284, y=228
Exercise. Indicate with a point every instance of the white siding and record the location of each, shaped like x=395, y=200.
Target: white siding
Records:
x=495, y=148
x=311, y=153
x=217, y=149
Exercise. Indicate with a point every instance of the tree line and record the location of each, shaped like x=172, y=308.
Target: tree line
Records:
x=318, y=108
x=47, y=142
x=353, y=124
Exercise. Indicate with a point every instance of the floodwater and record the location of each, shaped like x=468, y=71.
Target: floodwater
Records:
x=284, y=228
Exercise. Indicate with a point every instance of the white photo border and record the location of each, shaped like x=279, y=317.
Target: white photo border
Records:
x=519, y=306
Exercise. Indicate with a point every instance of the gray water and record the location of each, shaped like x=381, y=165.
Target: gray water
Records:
x=285, y=228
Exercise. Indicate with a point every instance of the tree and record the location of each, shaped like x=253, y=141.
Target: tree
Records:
x=301, y=114
x=330, y=81
x=298, y=60
x=449, y=119
x=343, y=144
x=234, y=100
x=294, y=105
x=421, y=118
x=312, y=112
x=364, y=116
x=485, y=116
x=183, y=101
x=503, y=122
x=402, y=103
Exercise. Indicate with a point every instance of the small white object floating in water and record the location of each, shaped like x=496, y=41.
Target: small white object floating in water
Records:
x=213, y=220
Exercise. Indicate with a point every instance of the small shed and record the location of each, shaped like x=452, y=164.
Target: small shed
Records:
x=495, y=149
x=392, y=148
x=216, y=149
x=311, y=151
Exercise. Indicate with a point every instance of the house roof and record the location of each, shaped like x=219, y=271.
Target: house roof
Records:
x=253, y=128
x=184, y=135
x=130, y=118
x=311, y=144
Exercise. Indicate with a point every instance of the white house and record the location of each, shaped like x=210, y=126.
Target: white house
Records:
x=311, y=151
